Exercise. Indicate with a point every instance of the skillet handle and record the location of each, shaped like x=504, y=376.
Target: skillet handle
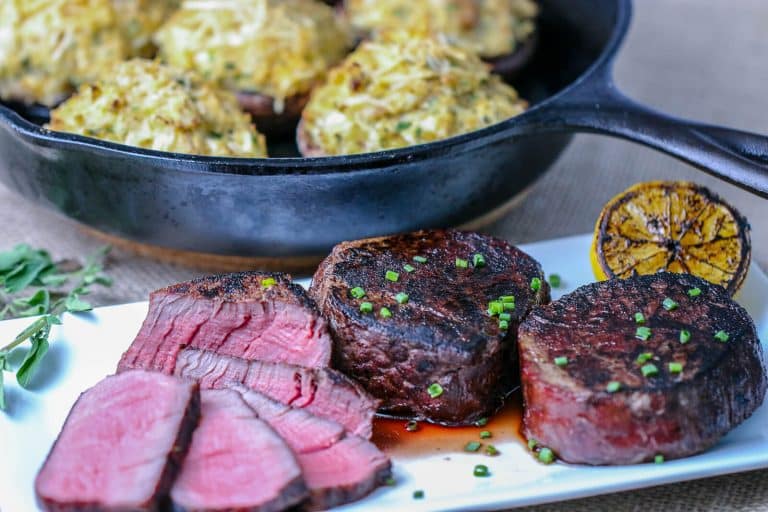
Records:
x=597, y=106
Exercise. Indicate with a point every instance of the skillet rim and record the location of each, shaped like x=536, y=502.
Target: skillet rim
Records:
x=301, y=166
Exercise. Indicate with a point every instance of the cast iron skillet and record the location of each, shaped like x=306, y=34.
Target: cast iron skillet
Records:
x=300, y=207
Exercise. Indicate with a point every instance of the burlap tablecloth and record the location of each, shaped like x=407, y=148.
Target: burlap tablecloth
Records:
x=704, y=59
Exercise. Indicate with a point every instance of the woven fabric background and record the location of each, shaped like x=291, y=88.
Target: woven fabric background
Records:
x=702, y=59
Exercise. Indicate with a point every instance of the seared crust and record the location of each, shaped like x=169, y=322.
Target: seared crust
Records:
x=442, y=335
x=569, y=408
x=269, y=122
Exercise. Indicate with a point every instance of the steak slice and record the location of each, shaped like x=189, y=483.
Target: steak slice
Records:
x=236, y=462
x=337, y=469
x=443, y=334
x=607, y=405
x=321, y=391
x=121, y=445
x=240, y=315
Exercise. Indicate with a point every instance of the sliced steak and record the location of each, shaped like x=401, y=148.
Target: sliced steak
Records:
x=443, y=334
x=337, y=469
x=249, y=315
x=346, y=472
x=121, y=445
x=236, y=462
x=302, y=431
x=321, y=391
x=619, y=399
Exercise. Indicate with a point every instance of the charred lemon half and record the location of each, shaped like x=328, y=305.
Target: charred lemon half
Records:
x=674, y=226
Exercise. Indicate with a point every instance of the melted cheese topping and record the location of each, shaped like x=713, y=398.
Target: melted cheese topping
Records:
x=140, y=19
x=279, y=48
x=489, y=27
x=48, y=47
x=146, y=104
x=401, y=91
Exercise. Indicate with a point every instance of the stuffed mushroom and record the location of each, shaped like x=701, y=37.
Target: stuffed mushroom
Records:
x=401, y=90
x=271, y=52
x=146, y=104
x=49, y=47
x=500, y=31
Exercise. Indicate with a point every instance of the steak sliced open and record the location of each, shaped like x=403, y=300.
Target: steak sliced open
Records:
x=236, y=462
x=121, y=445
x=338, y=469
x=442, y=332
x=620, y=399
x=251, y=315
x=321, y=391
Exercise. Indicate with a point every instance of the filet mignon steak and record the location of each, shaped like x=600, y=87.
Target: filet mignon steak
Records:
x=121, y=445
x=621, y=371
x=337, y=468
x=251, y=315
x=436, y=330
x=321, y=391
x=236, y=462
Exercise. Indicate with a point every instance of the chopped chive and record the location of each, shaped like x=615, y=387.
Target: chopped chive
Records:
x=613, y=386
x=491, y=450
x=508, y=306
x=412, y=426
x=722, y=336
x=643, y=333
x=366, y=307
x=391, y=275
x=269, y=282
x=685, y=336
x=478, y=260
x=419, y=259
x=402, y=125
x=532, y=443
x=385, y=313
x=669, y=304
x=495, y=307
x=408, y=268
x=535, y=284
x=649, y=370
x=401, y=298
x=644, y=357
x=357, y=292
x=561, y=361
x=435, y=390
x=546, y=456
x=659, y=459
x=503, y=325
x=554, y=280
x=460, y=263
x=485, y=434
x=639, y=318
x=675, y=368
x=507, y=299
x=390, y=482
x=481, y=422
x=418, y=494
x=694, y=292
x=472, y=446
x=505, y=316
x=481, y=470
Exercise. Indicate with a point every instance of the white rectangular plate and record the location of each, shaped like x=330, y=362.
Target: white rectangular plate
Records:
x=87, y=347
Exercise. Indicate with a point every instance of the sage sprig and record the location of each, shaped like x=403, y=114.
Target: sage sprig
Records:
x=33, y=284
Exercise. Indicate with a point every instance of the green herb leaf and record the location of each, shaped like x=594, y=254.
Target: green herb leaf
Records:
x=643, y=333
x=418, y=494
x=357, y=292
x=25, y=274
x=462, y=263
x=419, y=259
x=485, y=434
x=75, y=305
x=546, y=456
x=669, y=304
x=685, y=336
x=481, y=422
x=34, y=305
x=561, y=361
x=613, y=386
x=722, y=336
x=649, y=370
x=554, y=280
x=401, y=298
x=391, y=275
x=535, y=284
x=481, y=470
x=694, y=292
x=34, y=357
x=366, y=307
x=478, y=260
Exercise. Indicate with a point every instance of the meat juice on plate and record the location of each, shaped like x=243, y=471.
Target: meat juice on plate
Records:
x=392, y=436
